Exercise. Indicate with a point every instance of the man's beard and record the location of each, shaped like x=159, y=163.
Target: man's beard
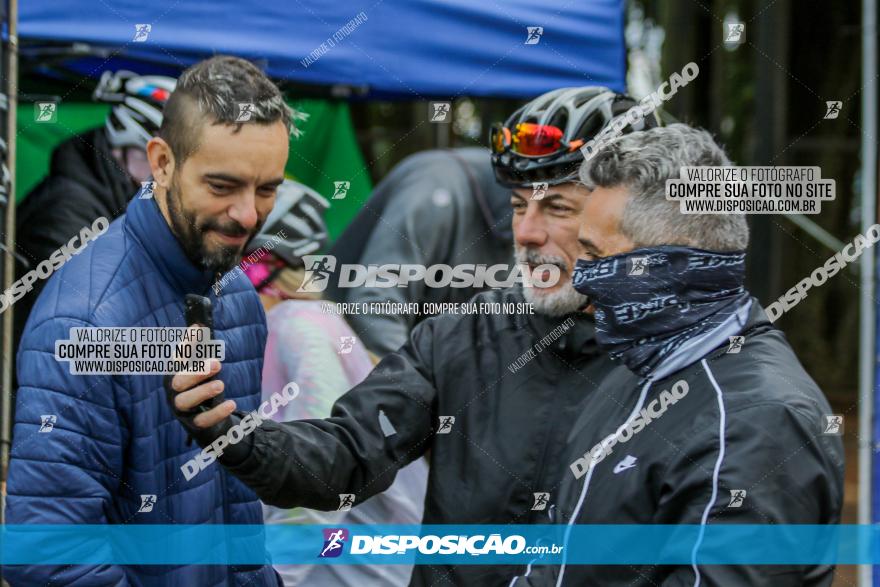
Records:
x=192, y=234
x=564, y=300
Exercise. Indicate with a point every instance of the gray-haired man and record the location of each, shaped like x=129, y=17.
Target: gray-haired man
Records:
x=691, y=428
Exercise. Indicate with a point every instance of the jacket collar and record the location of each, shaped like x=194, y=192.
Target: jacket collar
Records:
x=576, y=339
x=581, y=338
x=699, y=346
x=145, y=221
x=751, y=319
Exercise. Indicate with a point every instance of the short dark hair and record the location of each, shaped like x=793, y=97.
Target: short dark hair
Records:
x=211, y=91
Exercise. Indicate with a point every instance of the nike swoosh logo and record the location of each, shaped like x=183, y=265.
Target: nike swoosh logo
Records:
x=624, y=465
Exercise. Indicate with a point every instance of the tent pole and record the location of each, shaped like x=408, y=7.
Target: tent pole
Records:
x=8, y=260
x=867, y=310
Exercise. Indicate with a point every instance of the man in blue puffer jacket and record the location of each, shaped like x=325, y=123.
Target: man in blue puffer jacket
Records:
x=111, y=452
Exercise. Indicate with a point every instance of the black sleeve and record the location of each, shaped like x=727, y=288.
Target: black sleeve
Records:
x=378, y=427
x=55, y=211
x=50, y=215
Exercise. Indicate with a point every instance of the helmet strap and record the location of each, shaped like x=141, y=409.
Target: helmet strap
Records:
x=270, y=278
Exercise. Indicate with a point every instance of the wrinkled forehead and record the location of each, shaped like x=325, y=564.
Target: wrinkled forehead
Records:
x=602, y=215
x=573, y=194
x=250, y=152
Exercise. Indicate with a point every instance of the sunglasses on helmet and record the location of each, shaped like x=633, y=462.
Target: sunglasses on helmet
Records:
x=530, y=139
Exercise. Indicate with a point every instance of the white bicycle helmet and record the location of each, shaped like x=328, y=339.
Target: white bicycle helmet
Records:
x=541, y=141
x=299, y=212
x=138, y=102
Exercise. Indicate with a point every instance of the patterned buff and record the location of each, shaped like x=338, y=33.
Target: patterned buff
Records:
x=651, y=301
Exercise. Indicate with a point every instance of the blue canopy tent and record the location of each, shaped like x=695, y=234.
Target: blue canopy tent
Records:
x=394, y=48
x=391, y=49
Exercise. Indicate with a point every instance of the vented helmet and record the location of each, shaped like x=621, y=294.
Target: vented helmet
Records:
x=541, y=141
x=299, y=213
x=138, y=103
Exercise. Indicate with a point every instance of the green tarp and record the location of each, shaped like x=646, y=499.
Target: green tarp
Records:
x=326, y=153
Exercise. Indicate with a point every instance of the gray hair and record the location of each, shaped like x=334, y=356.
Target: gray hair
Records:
x=642, y=162
x=210, y=92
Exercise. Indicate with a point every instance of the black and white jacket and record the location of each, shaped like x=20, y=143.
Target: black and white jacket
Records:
x=751, y=420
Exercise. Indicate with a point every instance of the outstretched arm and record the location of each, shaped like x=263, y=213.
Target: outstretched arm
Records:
x=376, y=428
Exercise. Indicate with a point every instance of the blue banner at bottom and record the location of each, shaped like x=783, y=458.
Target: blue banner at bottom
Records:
x=447, y=544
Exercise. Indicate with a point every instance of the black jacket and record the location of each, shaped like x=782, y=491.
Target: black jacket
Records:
x=84, y=183
x=771, y=445
x=505, y=444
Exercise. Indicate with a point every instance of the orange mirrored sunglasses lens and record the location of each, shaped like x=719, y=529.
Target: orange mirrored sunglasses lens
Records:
x=536, y=139
x=500, y=139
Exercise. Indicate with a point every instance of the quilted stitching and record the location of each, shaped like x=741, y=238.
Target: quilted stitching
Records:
x=115, y=438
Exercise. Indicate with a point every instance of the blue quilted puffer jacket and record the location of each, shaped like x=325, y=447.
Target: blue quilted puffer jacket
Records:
x=114, y=438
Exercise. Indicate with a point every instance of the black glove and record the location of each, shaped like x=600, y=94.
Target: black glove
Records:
x=204, y=437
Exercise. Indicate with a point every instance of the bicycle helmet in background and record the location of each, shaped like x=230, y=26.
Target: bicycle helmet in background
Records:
x=299, y=212
x=138, y=103
x=541, y=141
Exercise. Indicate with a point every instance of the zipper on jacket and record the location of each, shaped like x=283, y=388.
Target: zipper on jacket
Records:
x=217, y=289
x=542, y=469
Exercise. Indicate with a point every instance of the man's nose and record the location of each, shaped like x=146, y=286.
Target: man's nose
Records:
x=244, y=211
x=531, y=230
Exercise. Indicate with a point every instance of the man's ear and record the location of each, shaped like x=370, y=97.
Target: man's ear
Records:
x=161, y=161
